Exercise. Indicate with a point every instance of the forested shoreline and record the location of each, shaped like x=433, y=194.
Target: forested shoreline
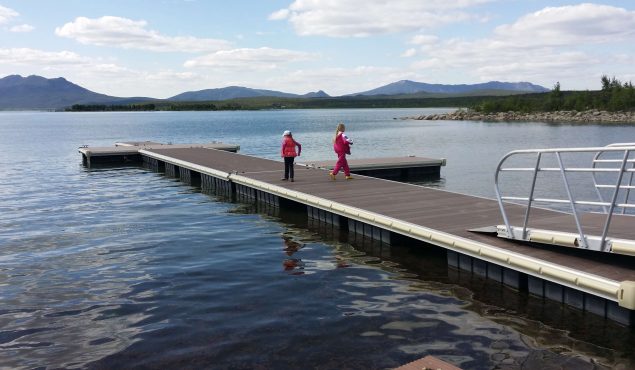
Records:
x=614, y=96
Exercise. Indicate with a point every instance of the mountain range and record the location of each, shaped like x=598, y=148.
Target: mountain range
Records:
x=39, y=93
x=35, y=93
x=412, y=87
x=236, y=92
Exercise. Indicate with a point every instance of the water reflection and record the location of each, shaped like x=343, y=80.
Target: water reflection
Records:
x=549, y=333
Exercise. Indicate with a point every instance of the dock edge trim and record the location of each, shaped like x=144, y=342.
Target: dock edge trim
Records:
x=190, y=166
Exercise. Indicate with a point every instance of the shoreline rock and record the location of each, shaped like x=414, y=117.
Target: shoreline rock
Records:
x=592, y=115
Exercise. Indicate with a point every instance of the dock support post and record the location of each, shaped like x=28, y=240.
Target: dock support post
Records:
x=574, y=298
x=190, y=177
x=153, y=164
x=370, y=231
x=620, y=314
x=216, y=186
x=172, y=170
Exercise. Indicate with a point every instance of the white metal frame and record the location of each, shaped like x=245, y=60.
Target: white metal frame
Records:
x=597, y=161
x=607, y=207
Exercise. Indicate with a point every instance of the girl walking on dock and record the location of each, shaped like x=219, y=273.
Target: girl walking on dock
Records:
x=288, y=153
x=342, y=146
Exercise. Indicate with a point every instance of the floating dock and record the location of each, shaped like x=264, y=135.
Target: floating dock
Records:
x=392, y=168
x=595, y=282
x=128, y=152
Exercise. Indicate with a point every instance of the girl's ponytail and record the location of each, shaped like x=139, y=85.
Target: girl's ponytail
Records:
x=340, y=127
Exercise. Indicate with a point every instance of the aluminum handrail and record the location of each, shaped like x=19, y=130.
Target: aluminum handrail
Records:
x=628, y=187
x=557, y=169
x=606, y=186
x=577, y=202
x=608, y=206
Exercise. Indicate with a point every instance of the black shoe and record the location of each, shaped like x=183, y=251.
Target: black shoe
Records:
x=283, y=179
x=291, y=180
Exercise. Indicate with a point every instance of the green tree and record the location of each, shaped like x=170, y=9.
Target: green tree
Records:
x=556, y=98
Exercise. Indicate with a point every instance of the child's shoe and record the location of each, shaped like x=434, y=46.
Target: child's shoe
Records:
x=349, y=177
x=332, y=176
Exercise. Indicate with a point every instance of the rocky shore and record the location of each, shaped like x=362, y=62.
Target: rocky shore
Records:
x=592, y=115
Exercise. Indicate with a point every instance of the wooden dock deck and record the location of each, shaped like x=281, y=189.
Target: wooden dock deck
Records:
x=601, y=283
x=392, y=168
x=125, y=152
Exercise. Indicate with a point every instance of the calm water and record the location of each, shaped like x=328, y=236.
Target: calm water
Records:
x=121, y=267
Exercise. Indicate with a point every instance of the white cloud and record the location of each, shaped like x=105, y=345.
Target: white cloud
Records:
x=279, y=15
x=539, y=47
x=424, y=39
x=7, y=14
x=168, y=75
x=26, y=56
x=409, y=53
x=583, y=23
x=130, y=34
x=22, y=28
x=260, y=58
x=361, y=18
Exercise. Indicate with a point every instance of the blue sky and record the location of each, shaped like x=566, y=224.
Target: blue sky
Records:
x=164, y=47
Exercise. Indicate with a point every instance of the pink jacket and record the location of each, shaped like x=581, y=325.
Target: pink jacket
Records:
x=342, y=144
x=288, y=147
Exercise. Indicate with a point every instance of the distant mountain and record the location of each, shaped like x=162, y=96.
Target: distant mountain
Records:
x=412, y=87
x=236, y=92
x=317, y=94
x=36, y=92
x=226, y=93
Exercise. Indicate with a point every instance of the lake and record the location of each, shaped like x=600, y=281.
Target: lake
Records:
x=120, y=267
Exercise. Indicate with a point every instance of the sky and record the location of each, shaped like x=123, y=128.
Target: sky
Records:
x=161, y=48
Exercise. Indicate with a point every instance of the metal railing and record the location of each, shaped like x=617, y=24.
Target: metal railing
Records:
x=597, y=160
x=617, y=166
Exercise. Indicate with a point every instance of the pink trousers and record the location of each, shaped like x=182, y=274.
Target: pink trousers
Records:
x=342, y=163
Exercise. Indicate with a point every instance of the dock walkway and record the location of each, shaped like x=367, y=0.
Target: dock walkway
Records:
x=124, y=152
x=601, y=283
x=391, y=168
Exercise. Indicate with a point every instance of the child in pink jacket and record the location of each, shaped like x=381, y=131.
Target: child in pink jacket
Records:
x=288, y=153
x=342, y=146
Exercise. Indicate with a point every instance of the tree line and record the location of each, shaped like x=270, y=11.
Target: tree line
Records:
x=188, y=106
x=110, y=108
x=614, y=96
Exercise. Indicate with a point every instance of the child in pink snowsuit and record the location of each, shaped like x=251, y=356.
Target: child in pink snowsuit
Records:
x=342, y=146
